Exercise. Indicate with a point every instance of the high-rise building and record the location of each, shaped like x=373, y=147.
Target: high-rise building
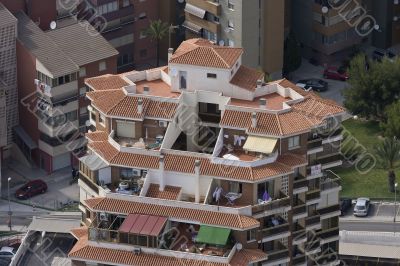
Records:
x=8, y=80
x=203, y=163
x=52, y=66
x=387, y=15
x=257, y=26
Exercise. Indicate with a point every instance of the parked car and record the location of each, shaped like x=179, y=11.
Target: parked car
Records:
x=379, y=54
x=31, y=189
x=313, y=84
x=345, y=204
x=7, y=252
x=362, y=207
x=335, y=73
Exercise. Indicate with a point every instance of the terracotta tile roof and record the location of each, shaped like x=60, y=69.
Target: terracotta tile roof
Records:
x=106, y=82
x=235, y=221
x=97, y=136
x=84, y=251
x=161, y=109
x=169, y=193
x=246, y=78
x=80, y=232
x=202, y=53
x=105, y=101
x=136, y=160
x=104, y=149
x=315, y=106
x=292, y=160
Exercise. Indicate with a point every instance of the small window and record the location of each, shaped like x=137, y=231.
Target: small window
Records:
x=231, y=43
x=67, y=78
x=142, y=15
x=231, y=5
x=211, y=75
x=61, y=80
x=126, y=3
x=82, y=72
x=293, y=142
x=82, y=91
x=102, y=119
x=251, y=235
x=231, y=24
x=142, y=34
x=93, y=116
x=102, y=66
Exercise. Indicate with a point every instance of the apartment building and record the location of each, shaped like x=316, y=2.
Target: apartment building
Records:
x=8, y=81
x=202, y=163
x=324, y=34
x=257, y=26
x=387, y=14
x=52, y=67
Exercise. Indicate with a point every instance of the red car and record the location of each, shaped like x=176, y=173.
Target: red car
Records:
x=335, y=73
x=31, y=189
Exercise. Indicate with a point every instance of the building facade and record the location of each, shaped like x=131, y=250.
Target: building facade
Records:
x=202, y=163
x=387, y=14
x=257, y=26
x=52, y=67
x=8, y=81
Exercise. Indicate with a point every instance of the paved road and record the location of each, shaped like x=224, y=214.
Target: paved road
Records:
x=369, y=226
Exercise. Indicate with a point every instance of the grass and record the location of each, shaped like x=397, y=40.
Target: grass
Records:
x=374, y=183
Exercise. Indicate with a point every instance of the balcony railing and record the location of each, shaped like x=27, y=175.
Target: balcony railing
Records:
x=283, y=201
x=280, y=254
x=325, y=234
x=330, y=159
x=297, y=184
x=276, y=230
x=299, y=233
x=329, y=183
x=330, y=209
x=299, y=208
x=313, y=220
x=313, y=144
x=299, y=260
x=312, y=244
x=89, y=183
x=210, y=118
x=313, y=195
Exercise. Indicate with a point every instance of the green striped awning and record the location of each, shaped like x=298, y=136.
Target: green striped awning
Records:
x=213, y=235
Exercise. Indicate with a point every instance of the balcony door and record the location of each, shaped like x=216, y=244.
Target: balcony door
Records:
x=126, y=129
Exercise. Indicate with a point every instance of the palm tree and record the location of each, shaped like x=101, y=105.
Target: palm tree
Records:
x=388, y=153
x=157, y=31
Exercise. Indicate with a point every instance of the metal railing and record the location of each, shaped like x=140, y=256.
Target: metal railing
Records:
x=313, y=195
x=275, y=230
x=283, y=201
x=312, y=144
x=300, y=259
x=89, y=182
x=332, y=232
x=330, y=209
x=300, y=183
x=313, y=220
x=277, y=254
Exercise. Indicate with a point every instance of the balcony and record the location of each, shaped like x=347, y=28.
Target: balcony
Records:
x=299, y=259
x=66, y=147
x=314, y=171
x=278, y=231
x=314, y=146
x=330, y=182
x=204, y=24
x=278, y=255
x=312, y=246
x=313, y=221
x=85, y=180
x=330, y=211
x=272, y=207
x=299, y=235
x=330, y=161
x=300, y=185
x=299, y=210
x=209, y=118
x=213, y=7
x=313, y=196
x=329, y=235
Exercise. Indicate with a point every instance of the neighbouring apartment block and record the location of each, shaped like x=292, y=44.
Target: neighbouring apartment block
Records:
x=8, y=80
x=203, y=163
x=52, y=66
x=387, y=15
x=257, y=26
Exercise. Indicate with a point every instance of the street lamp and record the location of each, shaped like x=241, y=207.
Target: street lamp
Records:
x=9, y=203
x=395, y=199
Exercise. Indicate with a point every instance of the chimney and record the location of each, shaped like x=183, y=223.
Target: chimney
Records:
x=197, y=181
x=263, y=103
x=259, y=83
x=170, y=53
x=140, y=106
x=254, y=119
x=146, y=90
x=162, y=175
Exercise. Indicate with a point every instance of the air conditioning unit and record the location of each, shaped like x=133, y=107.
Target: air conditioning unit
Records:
x=137, y=250
x=37, y=82
x=136, y=172
x=103, y=216
x=315, y=135
x=163, y=123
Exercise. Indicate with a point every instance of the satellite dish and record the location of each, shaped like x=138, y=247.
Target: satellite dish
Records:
x=325, y=9
x=221, y=43
x=376, y=27
x=239, y=246
x=53, y=25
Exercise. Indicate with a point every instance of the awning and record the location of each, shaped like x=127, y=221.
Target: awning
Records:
x=53, y=225
x=213, y=235
x=20, y=132
x=191, y=26
x=194, y=10
x=260, y=144
x=143, y=225
x=93, y=162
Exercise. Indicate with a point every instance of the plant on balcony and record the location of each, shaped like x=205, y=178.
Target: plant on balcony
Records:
x=388, y=153
x=157, y=31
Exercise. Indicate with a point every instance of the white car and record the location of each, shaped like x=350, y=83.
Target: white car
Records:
x=7, y=252
x=362, y=207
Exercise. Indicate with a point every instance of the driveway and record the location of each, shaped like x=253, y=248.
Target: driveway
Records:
x=379, y=212
x=307, y=71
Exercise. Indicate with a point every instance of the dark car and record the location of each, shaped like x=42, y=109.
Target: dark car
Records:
x=336, y=73
x=31, y=189
x=313, y=84
x=379, y=54
x=345, y=205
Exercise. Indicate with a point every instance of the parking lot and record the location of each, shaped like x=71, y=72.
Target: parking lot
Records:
x=379, y=211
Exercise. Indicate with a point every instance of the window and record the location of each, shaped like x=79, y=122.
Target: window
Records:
x=82, y=72
x=182, y=79
x=231, y=5
x=93, y=116
x=294, y=142
x=211, y=75
x=231, y=25
x=102, y=119
x=126, y=3
x=102, y=66
x=60, y=80
x=142, y=34
x=251, y=235
x=231, y=43
x=142, y=15
x=143, y=53
x=82, y=91
x=235, y=187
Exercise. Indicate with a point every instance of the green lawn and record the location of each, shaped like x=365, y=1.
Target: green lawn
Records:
x=374, y=183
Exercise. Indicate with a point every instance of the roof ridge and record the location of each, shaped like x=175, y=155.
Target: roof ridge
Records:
x=220, y=57
x=279, y=124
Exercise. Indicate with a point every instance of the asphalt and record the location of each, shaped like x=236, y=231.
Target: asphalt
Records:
x=371, y=226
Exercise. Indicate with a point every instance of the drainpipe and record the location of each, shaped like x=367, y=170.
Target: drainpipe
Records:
x=162, y=173
x=197, y=181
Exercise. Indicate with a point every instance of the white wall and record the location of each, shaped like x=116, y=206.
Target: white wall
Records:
x=105, y=175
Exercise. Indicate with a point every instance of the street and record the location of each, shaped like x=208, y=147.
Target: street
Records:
x=374, y=226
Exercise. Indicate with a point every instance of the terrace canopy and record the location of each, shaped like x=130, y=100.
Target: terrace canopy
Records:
x=260, y=144
x=213, y=235
x=145, y=225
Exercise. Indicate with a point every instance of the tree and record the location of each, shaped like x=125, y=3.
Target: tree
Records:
x=388, y=153
x=372, y=88
x=157, y=31
x=292, y=55
x=391, y=125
